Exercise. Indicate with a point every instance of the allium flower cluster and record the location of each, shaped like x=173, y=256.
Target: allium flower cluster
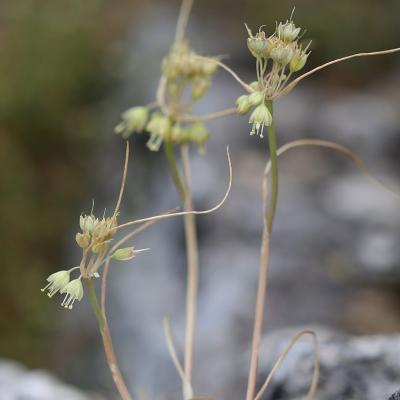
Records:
x=94, y=238
x=277, y=58
x=188, y=77
x=96, y=233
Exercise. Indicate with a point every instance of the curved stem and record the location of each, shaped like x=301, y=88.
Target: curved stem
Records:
x=209, y=116
x=274, y=169
x=292, y=84
x=281, y=359
x=107, y=343
x=170, y=155
x=341, y=149
x=230, y=71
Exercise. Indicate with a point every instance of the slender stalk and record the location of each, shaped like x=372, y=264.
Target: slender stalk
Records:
x=170, y=155
x=107, y=343
x=183, y=19
x=95, y=305
x=192, y=266
x=269, y=213
x=185, y=192
x=274, y=169
x=259, y=314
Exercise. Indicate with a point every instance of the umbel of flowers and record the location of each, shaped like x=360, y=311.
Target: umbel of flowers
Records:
x=278, y=57
x=94, y=239
x=187, y=78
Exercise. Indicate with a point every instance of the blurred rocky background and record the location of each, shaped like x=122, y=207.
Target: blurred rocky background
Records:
x=68, y=69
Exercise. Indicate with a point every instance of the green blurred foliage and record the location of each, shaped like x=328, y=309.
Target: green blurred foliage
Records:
x=53, y=58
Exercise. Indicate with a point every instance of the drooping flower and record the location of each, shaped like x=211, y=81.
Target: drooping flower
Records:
x=73, y=291
x=134, y=120
x=56, y=282
x=159, y=127
x=259, y=118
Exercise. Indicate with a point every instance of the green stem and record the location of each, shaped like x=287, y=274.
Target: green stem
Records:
x=95, y=304
x=170, y=154
x=274, y=169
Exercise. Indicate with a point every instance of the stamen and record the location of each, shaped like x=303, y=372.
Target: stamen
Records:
x=46, y=287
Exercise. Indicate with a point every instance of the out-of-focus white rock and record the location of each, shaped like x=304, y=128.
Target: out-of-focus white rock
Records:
x=20, y=383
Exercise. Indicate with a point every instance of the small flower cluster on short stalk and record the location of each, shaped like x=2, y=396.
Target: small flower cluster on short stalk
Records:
x=95, y=236
x=277, y=58
x=183, y=67
x=186, y=73
x=96, y=233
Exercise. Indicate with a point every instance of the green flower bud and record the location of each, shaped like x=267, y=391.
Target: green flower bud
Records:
x=124, y=254
x=193, y=66
x=298, y=61
x=198, y=133
x=282, y=54
x=83, y=240
x=255, y=85
x=56, y=282
x=243, y=105
x=209, y=67
x=259, y=45
x=170, y=68
x=287, y=31
x=99, y=247
x=256, y=98
x=87, y=223
x=199, y=87
x=179, y=134
x=74, y=291
x=172, y=88
x=259, y=118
